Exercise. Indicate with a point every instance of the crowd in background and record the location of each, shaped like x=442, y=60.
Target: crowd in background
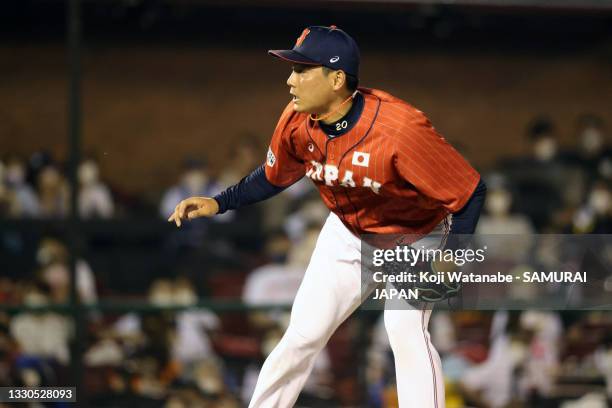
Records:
x=201, y=357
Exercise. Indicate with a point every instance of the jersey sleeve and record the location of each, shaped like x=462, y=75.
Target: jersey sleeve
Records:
x=426, y=160
x=283, y=167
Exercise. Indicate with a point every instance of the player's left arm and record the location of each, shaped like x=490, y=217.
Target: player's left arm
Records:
x=251, y=189
x=466, y=219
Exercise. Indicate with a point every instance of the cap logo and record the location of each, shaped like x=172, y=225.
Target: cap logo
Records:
x=302, y=37
x=334, y=59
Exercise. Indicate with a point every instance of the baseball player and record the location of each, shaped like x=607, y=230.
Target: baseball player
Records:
x=381, y=168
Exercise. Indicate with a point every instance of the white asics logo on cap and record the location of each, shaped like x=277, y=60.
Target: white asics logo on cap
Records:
x=361, y=159
x=334, y=59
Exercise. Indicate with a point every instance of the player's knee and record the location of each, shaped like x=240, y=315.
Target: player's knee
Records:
x=305, y=342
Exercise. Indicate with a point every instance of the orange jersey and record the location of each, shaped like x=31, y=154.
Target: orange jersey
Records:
x=392, y=173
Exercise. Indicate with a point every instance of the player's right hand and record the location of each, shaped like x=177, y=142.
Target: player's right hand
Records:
x=194, y=207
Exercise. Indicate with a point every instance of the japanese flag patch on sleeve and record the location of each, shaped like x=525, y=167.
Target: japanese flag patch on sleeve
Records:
x=271, y=158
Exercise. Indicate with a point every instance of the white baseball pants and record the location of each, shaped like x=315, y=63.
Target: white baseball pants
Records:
x=329, y=293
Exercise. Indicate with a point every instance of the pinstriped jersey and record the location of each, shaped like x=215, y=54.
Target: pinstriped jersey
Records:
x=391, y=173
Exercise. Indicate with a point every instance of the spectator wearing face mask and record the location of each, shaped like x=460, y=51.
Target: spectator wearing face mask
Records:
x=194, y=181
x=542, y=363
x=592, y=153
x=15, y=180
x=53, y=193
x=513, y=232
x=594, y=217
x=27, y=328
x=499, y=219
x=190, y=340
x=8, y=202
x=52, y=258
x=95, y=200
x=541, y=179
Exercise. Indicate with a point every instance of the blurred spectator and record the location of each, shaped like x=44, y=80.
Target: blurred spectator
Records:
x=491, y=383
x=278, y=281
x=243, y=158
x=593, y=154
x=190, y=341
x=543, y=182
x=9, y=206
x=52, y=257
x=310, y=211
x=95, y=200
x=594, y=216
x=193, y=327
x=53, y=193
x=507, y=235
x=498, y=218
x=36, y=162
x=290, y=201
x=542, y=365
x=274, y=283
x=194, y=181
x=208, y=376
x=590, y=400
x=15, y=176
x=603, y=362
x=27, y=327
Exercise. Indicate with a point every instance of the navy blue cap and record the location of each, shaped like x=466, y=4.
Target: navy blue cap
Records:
x=327, y=46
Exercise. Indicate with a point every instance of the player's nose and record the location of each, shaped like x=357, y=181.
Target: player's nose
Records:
x=291, y=79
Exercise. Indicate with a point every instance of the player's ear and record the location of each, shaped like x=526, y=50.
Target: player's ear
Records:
x=339, y=78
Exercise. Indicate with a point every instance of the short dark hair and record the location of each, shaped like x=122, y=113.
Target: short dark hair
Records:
x=352, y=82
x=590, y=120
x=541, y=127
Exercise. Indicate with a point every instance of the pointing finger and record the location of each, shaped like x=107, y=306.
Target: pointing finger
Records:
x=181, y=209
x=195, y=214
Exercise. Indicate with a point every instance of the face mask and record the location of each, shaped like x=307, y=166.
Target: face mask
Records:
x=498, y=203
x=49, y=252
x=591, y=140
x=30, y=377
x=14, y=175
x=545, y=149
x=185, y=297
x=43, y=256
x=209, y=384
x=56, y=275
x=599, y=201
x=88, y=173
x=195, y=181
x=583, y=220
x=35, y=299
x=162, y=297
x=49, y=178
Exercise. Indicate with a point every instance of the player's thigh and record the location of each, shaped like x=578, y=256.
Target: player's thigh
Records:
x=330, y=290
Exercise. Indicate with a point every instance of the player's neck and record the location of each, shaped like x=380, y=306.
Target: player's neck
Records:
x=338, y=109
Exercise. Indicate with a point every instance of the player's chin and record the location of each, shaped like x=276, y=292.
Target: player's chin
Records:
x=298, y=107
